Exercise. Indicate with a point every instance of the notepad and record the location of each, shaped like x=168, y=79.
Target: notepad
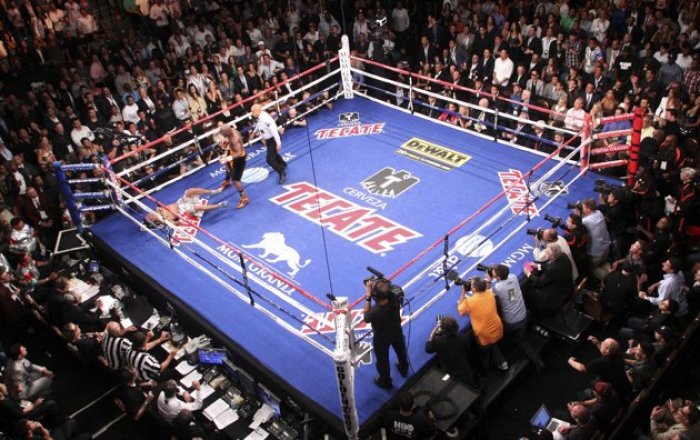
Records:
x=226, y=418
x=187, y=380
x=185, y=368
x=205, y=391
x=212, y=411
x=258, y=434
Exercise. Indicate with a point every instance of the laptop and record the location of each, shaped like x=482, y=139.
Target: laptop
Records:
x=543, y=420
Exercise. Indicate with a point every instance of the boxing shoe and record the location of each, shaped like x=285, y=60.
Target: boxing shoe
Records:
x=243, y=202
x=283, y=177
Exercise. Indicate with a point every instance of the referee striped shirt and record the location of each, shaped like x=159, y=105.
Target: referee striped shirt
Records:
x=147, y=367
x=114, y=349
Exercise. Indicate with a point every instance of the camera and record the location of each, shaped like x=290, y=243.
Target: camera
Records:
x=574, y=205
x=454, y=277
x=555, y=221
x=535, y=232
x=487, y=269
x=438, y=323
x=394, y=293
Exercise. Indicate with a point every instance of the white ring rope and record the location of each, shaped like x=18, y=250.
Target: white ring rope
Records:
x=284, y=297
x=293, y=330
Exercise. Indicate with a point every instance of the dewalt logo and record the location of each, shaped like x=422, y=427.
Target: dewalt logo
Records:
x=434, y=155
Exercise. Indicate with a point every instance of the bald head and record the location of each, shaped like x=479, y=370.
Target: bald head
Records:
x=114, y=328
x=255, y=110
x=609, y=346
x=226, y=131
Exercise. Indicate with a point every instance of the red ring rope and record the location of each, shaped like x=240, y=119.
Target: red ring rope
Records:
x=226, y=244
x=208, y=117
x=608, y=119
x=472, y=216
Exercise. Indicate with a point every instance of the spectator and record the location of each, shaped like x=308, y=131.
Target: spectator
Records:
x=681, y=419
x=24, y=379
x=584, y=426
x=598, y=236
x=671, y=286
x=130, y=397
x=550, y=236
x=609, y=367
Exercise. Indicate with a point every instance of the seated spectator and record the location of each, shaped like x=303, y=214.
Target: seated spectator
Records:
x=669, y=423
x=583, y=427
x=642, y=329
x=549, y=288
x=405, y=423
x=604, y=405
x=550, y=236
x=24, y=379
x=618, y=289
x=451, y=348
x=87, y=345
x=609, y=367
x=170, y=403
x=672, y=286
x=131, y=397
x=185, y=426
x=486, y=324
x=31, y=429
x=642, y=365
x=80, y=314
x=12, y=411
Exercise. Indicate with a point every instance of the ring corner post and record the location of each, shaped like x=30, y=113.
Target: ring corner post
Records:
x=67, y=192
x=345, y=74
x=636, y=138
x=344, y=369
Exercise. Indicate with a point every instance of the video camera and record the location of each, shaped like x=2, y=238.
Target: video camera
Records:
x=604, y=187
x=393, y=293
x=555, y=221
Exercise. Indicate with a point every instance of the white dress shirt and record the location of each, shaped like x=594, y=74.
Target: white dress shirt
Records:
x=267, y=127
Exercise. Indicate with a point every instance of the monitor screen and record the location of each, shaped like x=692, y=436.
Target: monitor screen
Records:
x=541, y=418
x=210, y=356
x=247, y=383
x=270, y=400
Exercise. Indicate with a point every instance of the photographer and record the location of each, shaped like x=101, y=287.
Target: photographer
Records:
x=385, y=318
x=451, y=348
x=613, y=210
x=551, y=286
x=485, y=322
x=511, y=306
x=545, y=236
x=599, y=238
x=576, y=237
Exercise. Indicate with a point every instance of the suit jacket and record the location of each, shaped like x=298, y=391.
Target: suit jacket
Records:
x=589, y=101
x=104, y=107
x=13, y=186
x=424, y=58
x=252, y=84
x=223, y=67
x=553, y=286
x=31, y=214
x=534, y=44
x=486, y=69
x=538, y=89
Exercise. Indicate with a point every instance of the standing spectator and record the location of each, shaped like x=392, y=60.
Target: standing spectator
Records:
x=598, y=237
x=609, y=367
x=502, y=69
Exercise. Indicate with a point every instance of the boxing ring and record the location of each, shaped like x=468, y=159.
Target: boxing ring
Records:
x=370, y=183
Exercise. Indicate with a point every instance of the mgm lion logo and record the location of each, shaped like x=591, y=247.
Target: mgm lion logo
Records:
x=274, y=246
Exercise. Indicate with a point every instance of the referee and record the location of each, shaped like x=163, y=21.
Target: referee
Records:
x=267, y=127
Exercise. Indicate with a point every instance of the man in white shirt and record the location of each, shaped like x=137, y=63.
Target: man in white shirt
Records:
x=79, y=132
x=575, y=116
x=170, y=405
x=266, y=127
x=269, y=67
x=502, y=69
x=181, y=107
x=130, y=112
